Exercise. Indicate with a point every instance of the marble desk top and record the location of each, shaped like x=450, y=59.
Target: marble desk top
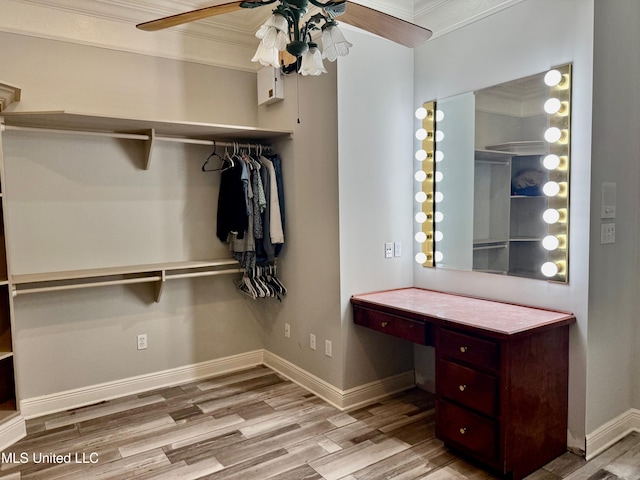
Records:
x=494, y=316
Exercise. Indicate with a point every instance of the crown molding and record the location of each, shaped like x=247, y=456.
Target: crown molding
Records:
x=446, y=16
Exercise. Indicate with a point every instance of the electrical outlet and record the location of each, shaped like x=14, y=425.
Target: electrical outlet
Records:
x=608, y=233
x=142, y=341
x=397, y=249
x=287, y=330
x=328, y=348
x=388, y=250
x=312, y=341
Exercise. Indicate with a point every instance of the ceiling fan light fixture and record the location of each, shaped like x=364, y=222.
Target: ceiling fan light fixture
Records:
x=311, y=63
x=334, y=44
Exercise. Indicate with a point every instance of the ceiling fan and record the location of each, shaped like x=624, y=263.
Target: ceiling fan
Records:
x=288, y=29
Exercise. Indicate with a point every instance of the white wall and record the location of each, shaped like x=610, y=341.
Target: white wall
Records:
x=375, y=122
x=519, y=41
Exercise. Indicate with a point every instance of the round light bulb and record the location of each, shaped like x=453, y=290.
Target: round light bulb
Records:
x=553, y=134
x=421, y=113
x=552, y=106
x=551, y=216
x=439, y=156
x=439, y=217
x=551, y=162
x=549, y=269
x=439, y=197
x=551, y=189
x=421, y=197
x=550, y=242
x=421, y=258
x=439, y=257
x=438, y=235
x=420, y=176
x=421, y=134
x=421, y=155
x=439, y=115
x=439, y=136
x=421, y=237
x=421, y=217
x=552, y=78
x=439, y=176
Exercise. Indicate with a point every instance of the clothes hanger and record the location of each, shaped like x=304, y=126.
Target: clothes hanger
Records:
x=213, y=155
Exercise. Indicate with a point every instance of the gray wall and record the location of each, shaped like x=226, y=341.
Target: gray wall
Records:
x=79, y=203
x=613, y=365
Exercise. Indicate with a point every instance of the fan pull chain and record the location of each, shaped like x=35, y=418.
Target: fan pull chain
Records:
x=298, y=92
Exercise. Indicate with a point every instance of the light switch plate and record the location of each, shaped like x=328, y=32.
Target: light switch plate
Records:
x=388, y=250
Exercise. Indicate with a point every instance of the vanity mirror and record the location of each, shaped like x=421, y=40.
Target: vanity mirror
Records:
x=493, y=195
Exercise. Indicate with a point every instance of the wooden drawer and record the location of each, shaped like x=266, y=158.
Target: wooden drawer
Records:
x=468, y=387
x=411, y=330
x=474, y=434
x=472, y=350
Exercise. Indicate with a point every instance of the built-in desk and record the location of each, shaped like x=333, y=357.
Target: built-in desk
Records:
x=501, y=371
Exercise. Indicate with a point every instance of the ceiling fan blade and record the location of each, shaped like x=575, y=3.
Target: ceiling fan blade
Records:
x=191, y=16
x=387, y=26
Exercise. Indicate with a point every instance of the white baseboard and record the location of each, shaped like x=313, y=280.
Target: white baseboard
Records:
x=11, y=431
x=79, y=397
x=341, y=399
x=609, y=433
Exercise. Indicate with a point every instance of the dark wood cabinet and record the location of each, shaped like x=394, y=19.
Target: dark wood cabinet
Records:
x=501, y=372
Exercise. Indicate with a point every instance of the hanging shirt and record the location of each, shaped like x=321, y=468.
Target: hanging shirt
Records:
x=232, y=205
x=275, y=219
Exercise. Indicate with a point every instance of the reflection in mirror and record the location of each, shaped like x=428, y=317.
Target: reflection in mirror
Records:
x=501, y=197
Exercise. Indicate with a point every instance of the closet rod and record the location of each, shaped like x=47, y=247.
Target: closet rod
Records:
x=130, y=136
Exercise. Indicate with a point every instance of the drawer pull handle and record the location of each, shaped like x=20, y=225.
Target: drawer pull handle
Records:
x=463, y=431
x=462, y=388
x=464, y=349
x=384, y=324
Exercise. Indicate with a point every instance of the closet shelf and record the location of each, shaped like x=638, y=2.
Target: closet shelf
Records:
x=8, y=94
x=98, y=277
x=149, y=131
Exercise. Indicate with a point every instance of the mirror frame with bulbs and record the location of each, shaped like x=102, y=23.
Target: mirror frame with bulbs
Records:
x=556, y=188
x=425, y=177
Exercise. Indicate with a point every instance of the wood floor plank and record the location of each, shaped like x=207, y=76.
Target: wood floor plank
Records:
x=356, y=458
x=81, y=415
x=605, y=458
x=192, y=431
x=256, y=425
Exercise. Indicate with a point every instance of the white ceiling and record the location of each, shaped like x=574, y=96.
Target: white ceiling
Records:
x=226, y=40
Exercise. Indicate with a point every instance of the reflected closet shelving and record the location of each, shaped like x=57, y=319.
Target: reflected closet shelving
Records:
x=508, y=224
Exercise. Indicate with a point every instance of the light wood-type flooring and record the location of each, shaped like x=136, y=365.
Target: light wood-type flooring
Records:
x=254, y=424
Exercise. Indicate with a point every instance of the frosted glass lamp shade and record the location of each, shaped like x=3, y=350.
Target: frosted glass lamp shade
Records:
x=334, y=44
x=273, y=39
x=267, y=57
x=312, y=62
